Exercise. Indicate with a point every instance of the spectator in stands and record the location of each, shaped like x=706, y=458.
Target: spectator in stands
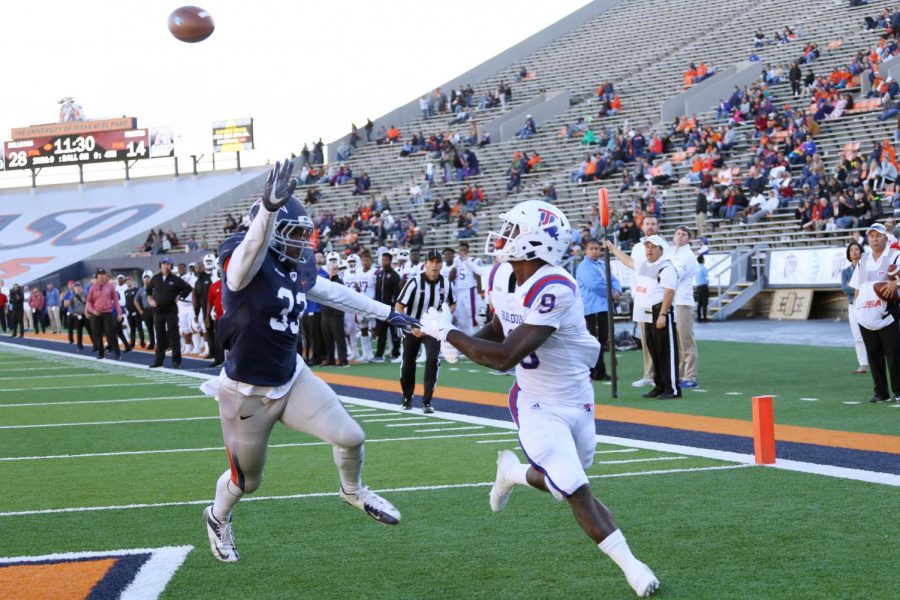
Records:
x=393, y=135
x=469, y=228
x=700, y=208
x=761, y=207
x=548, y=193
x=528, y=129
x=230, y=224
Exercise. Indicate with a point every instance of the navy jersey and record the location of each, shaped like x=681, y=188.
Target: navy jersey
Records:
x=262, y=321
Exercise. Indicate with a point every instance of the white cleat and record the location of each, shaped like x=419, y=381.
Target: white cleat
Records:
x=642, y=382
x=502, y=488
x=221, y=541
x=373, y=505
x=643, y=581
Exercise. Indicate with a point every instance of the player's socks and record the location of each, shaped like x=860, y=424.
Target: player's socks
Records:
x=349, y=462
x=366, y=348
x=227, y=495
x=197, y=340
x=639, y=576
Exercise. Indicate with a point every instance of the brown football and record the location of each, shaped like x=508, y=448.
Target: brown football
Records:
x=191, y=24
x=881, y=291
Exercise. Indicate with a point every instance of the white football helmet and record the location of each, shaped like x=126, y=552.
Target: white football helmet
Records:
x=531, y=229
x=353, y=263
x=209, y=262
x=402, y=257
x=148, y=273
x=332, y=259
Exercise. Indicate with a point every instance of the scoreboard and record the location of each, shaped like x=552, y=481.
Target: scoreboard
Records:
x=232, y=135
x=98, y=146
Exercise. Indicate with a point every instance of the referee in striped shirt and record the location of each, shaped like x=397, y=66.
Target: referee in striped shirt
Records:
x=421, y=292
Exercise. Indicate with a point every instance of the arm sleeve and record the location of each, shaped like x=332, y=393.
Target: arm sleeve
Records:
x=668, y=277
x=551, y=306
x=854, y=279
x=406, y=294
x=248, y=257
x=338, y=296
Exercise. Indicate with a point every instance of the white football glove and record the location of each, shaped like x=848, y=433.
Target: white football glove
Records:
x=438, y=323
x=449, y=352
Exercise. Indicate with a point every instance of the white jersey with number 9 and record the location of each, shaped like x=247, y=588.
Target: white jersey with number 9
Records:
x=560, y=368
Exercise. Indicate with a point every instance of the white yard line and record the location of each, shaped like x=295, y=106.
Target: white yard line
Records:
x=101, y=401
x=436, y=423
x=56, y=368
x=44, y=425
x=747, y=459
x=420, y=488
x=392, y=419
x=449, y=429
x=515, y=440
x=221, y=448
x=616, y=451
x=69, y=387
x=94, y=374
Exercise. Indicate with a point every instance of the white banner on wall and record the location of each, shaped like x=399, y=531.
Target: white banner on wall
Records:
x=718, y=265
x=46, y=229
x=807, y=267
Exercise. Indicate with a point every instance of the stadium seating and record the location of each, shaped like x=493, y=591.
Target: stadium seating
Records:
x=642, y=47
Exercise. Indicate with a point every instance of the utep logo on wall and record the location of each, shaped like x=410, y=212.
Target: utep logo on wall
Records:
x=140, y=573
x=548, y=219
x=55, y=239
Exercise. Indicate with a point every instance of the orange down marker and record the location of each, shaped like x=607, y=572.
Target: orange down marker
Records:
x=763, y=430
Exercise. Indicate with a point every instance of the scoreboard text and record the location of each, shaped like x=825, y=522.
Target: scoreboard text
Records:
x=100, y=146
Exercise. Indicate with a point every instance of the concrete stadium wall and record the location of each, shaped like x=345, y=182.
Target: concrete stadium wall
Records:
x=514, y=55
x=708, y=93
x=542, y=108
x=246, y=183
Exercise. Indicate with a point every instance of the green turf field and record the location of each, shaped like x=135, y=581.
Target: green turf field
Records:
x=82, y=435
x=814, y=386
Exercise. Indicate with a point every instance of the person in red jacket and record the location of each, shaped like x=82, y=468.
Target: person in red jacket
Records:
x=3, y=302
x=214, y=298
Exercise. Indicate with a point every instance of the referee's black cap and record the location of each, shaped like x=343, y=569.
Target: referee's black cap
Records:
x=433, y=255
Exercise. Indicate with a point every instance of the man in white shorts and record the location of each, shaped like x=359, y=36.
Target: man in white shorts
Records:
x=539, y=328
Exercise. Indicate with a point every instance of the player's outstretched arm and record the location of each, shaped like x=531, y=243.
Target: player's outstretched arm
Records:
x=493, y=349
x=248, y=257
x=505, y=354
x=341, y=297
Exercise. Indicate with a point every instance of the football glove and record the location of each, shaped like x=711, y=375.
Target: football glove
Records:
x=438, y=323
x=450, y=353
x=279, y=186
x=404, y=323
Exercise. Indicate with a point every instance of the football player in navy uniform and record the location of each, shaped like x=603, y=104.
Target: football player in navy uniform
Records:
x=267, y=273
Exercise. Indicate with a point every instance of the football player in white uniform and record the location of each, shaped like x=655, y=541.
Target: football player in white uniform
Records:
x=186, y=310
x=365, y=284
x=468, y=290
x=351, y=328
x=539, y=328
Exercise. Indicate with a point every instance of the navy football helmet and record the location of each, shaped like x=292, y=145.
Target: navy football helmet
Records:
x=293, y=230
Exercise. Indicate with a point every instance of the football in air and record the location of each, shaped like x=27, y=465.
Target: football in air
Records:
x=191, y=24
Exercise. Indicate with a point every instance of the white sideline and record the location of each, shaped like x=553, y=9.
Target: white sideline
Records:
x=748, y=459
x=221, y=448
x=124, y=422
x=102, y=401
x=418, y=488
